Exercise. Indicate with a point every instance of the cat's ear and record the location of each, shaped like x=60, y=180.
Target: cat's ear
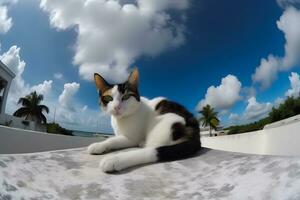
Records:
x=101, y=83
x=133, y=78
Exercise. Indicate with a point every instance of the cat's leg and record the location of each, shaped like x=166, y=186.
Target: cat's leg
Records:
x=113, y=143
x=128, y=159
x=160, y=135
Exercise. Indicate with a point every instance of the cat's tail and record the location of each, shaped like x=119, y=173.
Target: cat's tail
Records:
x=179, y=151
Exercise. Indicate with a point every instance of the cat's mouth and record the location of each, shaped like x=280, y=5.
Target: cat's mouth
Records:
x=117, y=113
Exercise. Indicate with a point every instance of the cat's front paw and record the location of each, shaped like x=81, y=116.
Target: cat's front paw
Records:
x=111, y=164
x=97, y=148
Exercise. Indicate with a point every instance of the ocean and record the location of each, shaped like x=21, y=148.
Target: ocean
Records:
x=87, y=134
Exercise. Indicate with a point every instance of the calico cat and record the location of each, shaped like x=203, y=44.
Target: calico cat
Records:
x=164, y=129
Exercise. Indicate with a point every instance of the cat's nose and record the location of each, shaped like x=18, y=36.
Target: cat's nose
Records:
x=117, y=108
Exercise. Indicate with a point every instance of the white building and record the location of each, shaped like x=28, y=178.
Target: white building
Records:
x=204, y=131
x=6, y=77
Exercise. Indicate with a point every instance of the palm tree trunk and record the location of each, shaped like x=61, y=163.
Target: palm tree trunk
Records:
x=210, y=135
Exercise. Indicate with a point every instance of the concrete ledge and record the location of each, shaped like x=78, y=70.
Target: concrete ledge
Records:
x=212, y=174
x=14, y=140
x=280, y=140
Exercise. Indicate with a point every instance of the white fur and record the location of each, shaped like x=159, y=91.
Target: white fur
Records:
x=137, y=124
x=128, y=159
x=126, y=107
x=159, y=133
x=117, y=142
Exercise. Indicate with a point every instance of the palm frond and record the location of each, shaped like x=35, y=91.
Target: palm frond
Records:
x=24, y=101
x=43, y=108
x=32, y=108
x=40, y=98
x=21, y=112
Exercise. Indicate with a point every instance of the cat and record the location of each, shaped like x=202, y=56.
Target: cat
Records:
x=164, y=129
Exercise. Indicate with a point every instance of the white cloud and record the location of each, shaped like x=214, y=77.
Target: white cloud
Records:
x=248, y=92
x=65, y=98
x=256, y=110
x=43, y=88
x=13, y=61
x=8, y=2
x=18, y=87
x=278, y=101
x=234, y=117
x=112, y=34
x=161, y=5
x=5, y=21
x=58, y=76
x=289, y=25
x=69, y=112
x=223, y=96
x=82, y=119
x=267, y=71
x=295, y=85
x=287, y=3
x=84, y=108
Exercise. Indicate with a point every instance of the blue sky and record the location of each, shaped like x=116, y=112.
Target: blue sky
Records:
x=200, y=43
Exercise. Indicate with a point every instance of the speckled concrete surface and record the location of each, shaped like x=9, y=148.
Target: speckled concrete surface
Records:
x=73, y=174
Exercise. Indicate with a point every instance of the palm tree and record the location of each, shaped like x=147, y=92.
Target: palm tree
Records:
x=31, y=108
x=209, y=118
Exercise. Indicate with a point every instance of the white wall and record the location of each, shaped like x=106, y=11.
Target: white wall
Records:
x=14, y=140
x=16, y=122
x=282, y=140
x=283, y=122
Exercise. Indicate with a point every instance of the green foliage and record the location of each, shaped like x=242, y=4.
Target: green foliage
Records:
x=258, y=125
x=290, y=107
x=57, y=129
x=209, y=118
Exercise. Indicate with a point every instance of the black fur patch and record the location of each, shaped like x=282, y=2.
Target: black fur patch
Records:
x=122, y=88
x=190, y=130
x=178, y=151
x=166, y=106
x=177, y=131
x=192, y=125
x=127, y=87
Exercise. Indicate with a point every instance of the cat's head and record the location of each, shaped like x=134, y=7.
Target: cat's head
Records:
x=119, y=100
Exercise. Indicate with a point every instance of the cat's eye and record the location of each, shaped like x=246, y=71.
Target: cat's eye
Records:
x=107, y=98
x=125, y=97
